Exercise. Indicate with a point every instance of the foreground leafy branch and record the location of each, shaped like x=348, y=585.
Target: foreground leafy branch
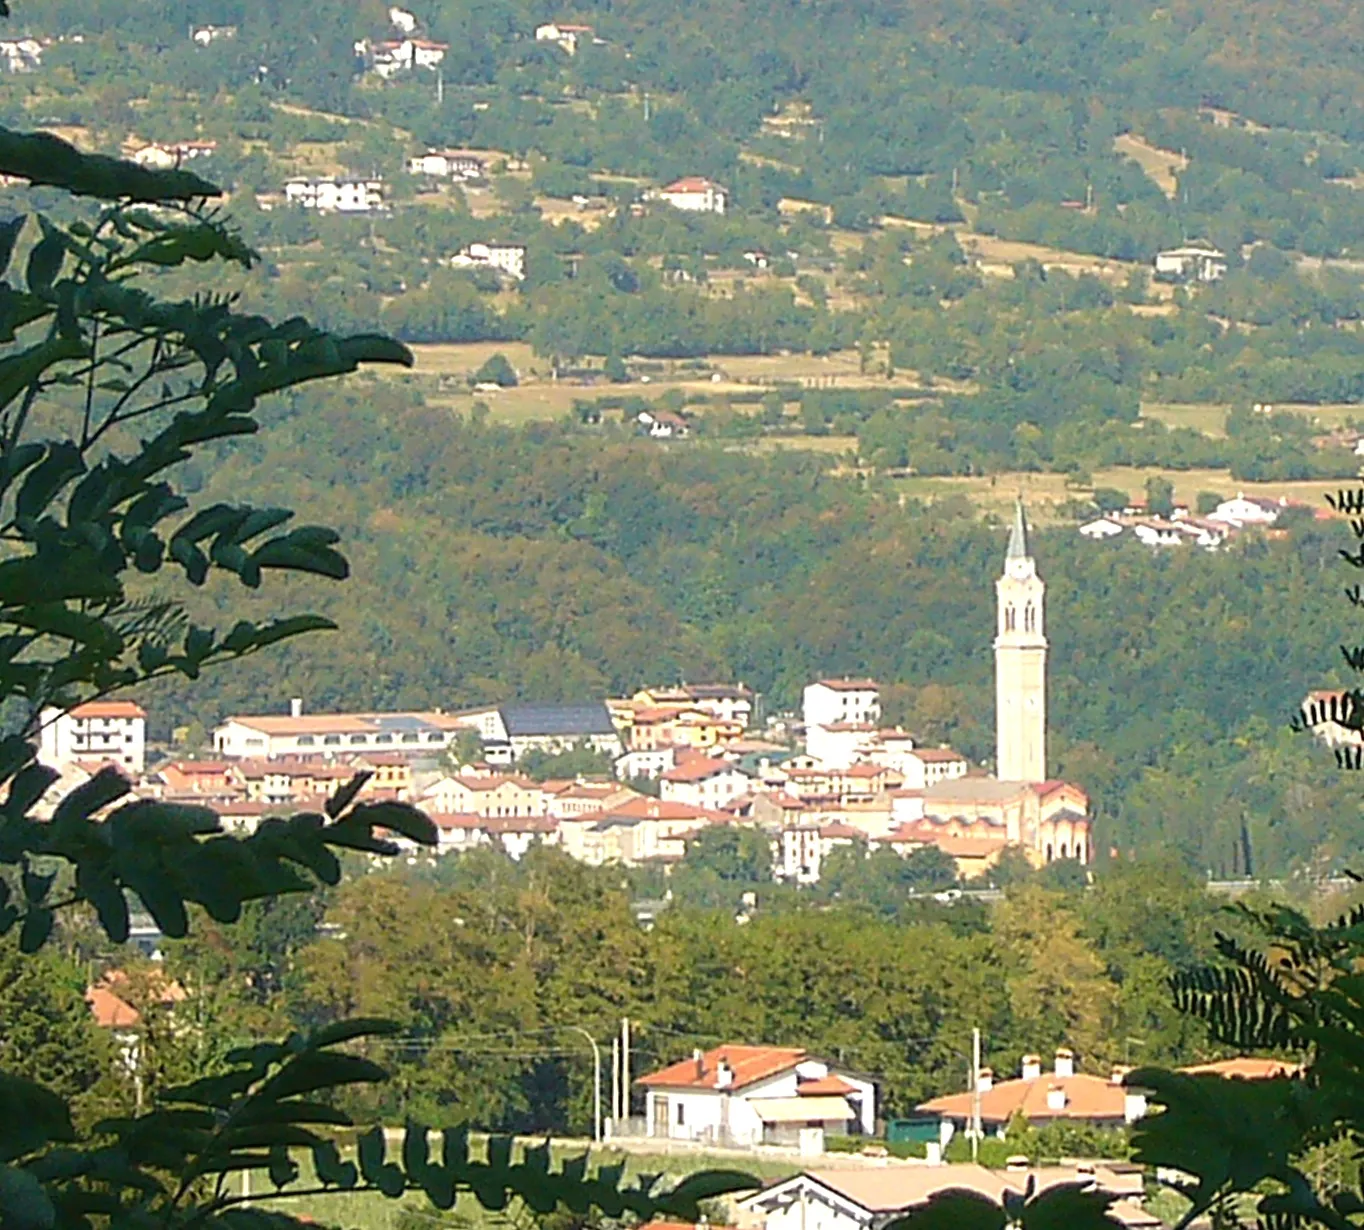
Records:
x=169, y=1167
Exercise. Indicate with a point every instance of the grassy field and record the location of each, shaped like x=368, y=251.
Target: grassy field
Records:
x=1045, y=493
x=1161, y=165
x=442, y=370
x=1211, y=418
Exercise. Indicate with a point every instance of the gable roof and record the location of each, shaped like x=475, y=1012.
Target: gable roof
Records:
x=700, y=771
x=1246, y=1067
x=529, y=720
x=749, y=1064
x=850, y=685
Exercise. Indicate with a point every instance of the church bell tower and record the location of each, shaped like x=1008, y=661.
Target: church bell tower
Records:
x=1020, y=664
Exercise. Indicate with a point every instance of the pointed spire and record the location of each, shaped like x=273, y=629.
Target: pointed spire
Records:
x=1018, y=536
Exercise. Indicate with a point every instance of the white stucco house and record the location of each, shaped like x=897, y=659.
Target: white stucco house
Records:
x=1248, y=510
x=1193, y=261
x=741, y=1096
x=99, y=730
x=704, y=783
x=695, y=194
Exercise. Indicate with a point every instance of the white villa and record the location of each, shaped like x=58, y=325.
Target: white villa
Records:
x=747, y=1095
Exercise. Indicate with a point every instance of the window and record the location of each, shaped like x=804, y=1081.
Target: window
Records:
x=359, y=739
x=306, y=740
x=435, y=737
x=331, y=740
x=383, y=738
x=411, y=738
x=681, y=1113
x=1009, y=619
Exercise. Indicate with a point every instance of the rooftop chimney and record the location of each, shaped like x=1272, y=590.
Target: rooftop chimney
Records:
x=1056, y=1098
x=985, y=1080
x=296, y=707
x=1065, y=1061
x=1120, y=1071
x=1032, y=1067
x=700, y=1062
x=724, y=1074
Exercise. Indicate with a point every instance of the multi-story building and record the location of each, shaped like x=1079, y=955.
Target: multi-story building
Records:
x=330, y=195
x=107, y=730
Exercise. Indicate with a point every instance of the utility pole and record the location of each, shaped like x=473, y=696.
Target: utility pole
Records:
x=975, y=1094
x=625, y=1067
x=617, y=1101
x=440, y=86
x=596, y=1080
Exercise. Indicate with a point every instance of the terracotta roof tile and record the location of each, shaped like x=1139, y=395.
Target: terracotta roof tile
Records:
x=749, y=1063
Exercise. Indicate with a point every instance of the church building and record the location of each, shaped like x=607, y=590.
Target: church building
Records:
x=1020, y=806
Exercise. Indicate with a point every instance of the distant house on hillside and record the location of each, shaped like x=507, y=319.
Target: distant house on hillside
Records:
x=21, y=55
x=1249, y=510
x=165, y=157
x=335, y=195
x=1192, y=263
x=663, y=424
x=564, y=35
x=695, y=194
x=447, y=164
x=507, y=258
x=202, y=36
x=388, y=57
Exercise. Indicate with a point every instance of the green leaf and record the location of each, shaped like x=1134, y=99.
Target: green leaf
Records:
x=348, y=1031
x=331, y=1169
x=954, y=1210
x=30, y=1117
x=45, y=259
x=9, y=233
x=107, y=786
x=344, y=795
x=36, y=928
x=24, y=1205
x=401, y=818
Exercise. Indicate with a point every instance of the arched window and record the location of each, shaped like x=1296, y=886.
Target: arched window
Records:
x=1009, y=618
x=1064, y=853
x=1080, y=851
x=1048, y=851
x=1030, y=618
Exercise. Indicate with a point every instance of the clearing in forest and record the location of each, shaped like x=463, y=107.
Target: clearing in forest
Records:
x=1162, y=166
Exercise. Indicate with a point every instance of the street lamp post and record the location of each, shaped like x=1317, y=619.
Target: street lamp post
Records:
x=596, y=1080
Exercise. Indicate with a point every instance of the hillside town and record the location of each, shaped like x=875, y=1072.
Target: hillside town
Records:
x=685, y=758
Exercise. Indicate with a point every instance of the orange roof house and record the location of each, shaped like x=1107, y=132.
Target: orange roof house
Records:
x=748, y=1095
x=1040, y=1096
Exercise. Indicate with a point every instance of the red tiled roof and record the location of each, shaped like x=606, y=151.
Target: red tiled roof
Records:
x=688, y=183
x=937, y=755
x=449, y=821
x=830, y=1086
x=851, y=685
x=108, y=709
x=749, y=1064
x=838, y=829
x=698, y=770
x=1087, y=1098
